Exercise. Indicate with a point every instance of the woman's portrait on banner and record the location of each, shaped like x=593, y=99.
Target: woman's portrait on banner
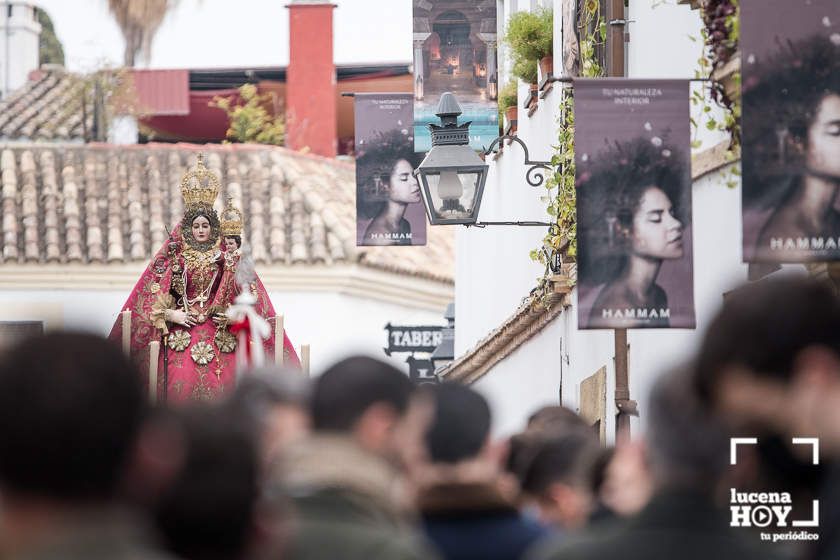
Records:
x=386, y=187
x=791, y=136
x=389, y=206
x=633, y=212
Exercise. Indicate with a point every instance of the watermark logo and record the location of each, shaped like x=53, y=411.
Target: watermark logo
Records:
x=771, y=509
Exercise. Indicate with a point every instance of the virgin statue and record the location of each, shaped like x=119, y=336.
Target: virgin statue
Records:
x=184, y=292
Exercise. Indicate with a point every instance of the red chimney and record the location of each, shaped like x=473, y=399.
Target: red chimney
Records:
x=311, y=106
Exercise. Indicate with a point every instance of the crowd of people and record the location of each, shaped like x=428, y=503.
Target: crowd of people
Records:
x=360, y=463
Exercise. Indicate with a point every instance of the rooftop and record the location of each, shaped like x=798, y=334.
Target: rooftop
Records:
x=65, y=203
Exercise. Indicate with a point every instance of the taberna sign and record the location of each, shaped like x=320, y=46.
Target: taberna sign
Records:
x=412, y=339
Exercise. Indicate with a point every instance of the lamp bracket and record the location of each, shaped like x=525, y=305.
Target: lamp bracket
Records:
x=534, y=175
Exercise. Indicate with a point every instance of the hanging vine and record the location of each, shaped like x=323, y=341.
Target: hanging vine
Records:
x=720, y=34
x=560, y=242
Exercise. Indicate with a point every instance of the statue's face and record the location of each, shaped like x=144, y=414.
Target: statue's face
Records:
x=231, y=244
x=201, y=229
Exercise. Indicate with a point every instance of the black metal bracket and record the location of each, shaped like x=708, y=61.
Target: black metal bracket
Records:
x=535, y=174
x=525, y=223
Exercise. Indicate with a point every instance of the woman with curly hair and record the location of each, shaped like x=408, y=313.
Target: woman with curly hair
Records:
x=385, y=187
x=792, y=154
x=629, y=223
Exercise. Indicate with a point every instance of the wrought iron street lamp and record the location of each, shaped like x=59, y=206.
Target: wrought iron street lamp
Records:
x=452, y=175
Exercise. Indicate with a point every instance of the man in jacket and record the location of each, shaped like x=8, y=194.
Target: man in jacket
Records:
x=466, y=499
x=346, y=482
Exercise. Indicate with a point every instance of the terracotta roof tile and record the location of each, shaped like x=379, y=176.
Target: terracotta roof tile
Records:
x=99, y=203
x=49, y=108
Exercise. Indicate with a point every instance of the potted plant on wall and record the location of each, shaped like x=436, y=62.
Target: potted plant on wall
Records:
x=507, y=104
x=530, y=38
x=526, y=71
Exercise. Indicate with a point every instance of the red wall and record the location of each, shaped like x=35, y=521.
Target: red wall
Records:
x=311, y=112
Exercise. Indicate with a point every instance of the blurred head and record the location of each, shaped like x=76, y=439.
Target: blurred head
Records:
x=687, y=446
x=209, y=511
x=71, y=408
x=460, y=424
x=557, y=419
x=770, y=360
x=369, y=400
x=276, y=401
x=557, y=477
x=627, y=486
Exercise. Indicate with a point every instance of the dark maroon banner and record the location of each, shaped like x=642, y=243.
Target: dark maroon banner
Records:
x=633, y=178
x=791, y=130
x=389, y=207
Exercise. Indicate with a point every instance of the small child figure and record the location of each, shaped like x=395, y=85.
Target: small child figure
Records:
x=233, y=244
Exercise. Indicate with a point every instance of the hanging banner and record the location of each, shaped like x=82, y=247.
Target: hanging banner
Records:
x=790, y=66
x=389, y=207
x=633, y=177
x=455, y=50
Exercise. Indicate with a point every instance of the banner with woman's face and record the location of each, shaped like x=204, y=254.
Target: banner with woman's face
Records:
x=454, y=45
x=389, y=208
x=633, y=179
x=790, y=66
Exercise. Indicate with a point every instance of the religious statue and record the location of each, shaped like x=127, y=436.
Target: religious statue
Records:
x=183, y=296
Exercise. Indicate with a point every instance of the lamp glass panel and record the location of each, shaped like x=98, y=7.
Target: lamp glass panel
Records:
x=452, y=194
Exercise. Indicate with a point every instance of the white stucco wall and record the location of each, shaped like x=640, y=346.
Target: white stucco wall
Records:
x=494, y=272
x=334, y=325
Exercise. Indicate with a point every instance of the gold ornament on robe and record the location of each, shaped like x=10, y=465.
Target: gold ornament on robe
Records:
x=225, y=340
x=179, y=340
x=202, y=353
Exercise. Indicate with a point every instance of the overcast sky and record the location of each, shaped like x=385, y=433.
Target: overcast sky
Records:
x=224, y=33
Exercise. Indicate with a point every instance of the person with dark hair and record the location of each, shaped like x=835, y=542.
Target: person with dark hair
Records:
x=557, y=477
x=792, y=152
x=630, y=204
x=466, y=499
x=71, y=419
x=386, y=187
x=769, y=365
x=346, y=482
x=209, y=511
x=276, y=403
x=688, y=453
x=557, y=418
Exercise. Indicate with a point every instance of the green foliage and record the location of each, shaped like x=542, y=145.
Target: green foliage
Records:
x=530, y=34
x=530, y=37
x=249, y=119
x=525, y=70
x=720, y=34
x=561, y=196
x=508, y=96
x=50, y=50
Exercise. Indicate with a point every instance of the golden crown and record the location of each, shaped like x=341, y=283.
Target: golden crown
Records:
x=231, y=220
x=199, y=185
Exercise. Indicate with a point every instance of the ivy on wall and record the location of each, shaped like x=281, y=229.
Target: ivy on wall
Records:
x=560, y=242
x=720, y=35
